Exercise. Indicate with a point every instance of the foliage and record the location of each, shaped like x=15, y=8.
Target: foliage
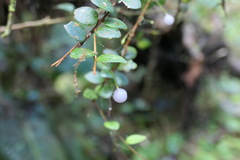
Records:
x=41, y=117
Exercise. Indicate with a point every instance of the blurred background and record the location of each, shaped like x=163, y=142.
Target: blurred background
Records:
x=184, y=95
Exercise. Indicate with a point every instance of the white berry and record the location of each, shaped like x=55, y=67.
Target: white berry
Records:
x=120, y=95
x=168, y=19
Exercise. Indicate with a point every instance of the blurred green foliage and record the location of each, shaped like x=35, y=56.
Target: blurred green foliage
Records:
x=41, y=117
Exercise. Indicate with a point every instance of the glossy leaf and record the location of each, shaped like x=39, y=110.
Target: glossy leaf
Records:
x=104, y=4
x=75, y=31
x=105, y=73
x=86, y=15
x=105, y=91
x=81, y=52
x=90, y=94
x=121, y=79
x=65, y=6
x=111, y=58
x=130, y=65
x=112, y=125
x=107, y=32
x=96, y=79
x=133, y=4
x=131, y=53
x=135, y=139
x=115, y=23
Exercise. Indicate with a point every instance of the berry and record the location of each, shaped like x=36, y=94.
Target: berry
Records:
x=168, y=19
x=120, y=95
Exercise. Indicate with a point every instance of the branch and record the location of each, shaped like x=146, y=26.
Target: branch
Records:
x=133, y=30
x=11, y=10
x=38, y=23
x=80, y=44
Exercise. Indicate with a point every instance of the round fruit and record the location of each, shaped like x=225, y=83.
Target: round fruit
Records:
x=120, y=95
x=168, y=19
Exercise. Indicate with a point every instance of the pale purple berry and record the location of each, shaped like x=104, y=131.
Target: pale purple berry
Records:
x=168, y=19
x=120, y=95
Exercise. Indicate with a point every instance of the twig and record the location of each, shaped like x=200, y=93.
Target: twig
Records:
x=11, y=10
x=63, y=57
x=38, y=23
x=95, y=51
x=87, y=37
x=133, y=30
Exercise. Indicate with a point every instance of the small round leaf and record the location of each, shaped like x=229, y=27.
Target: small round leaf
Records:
x=108, y=32
x=133, y=4
x=90, y=94
x=135, y=139
x=131, y=53
x=104, y=4
x=86, y=16
x=80, y=52
x=105, y=91
x=95, y=79
x=115, y=23
x=65, y=7
x=130, y=65
x=111, y=58
x=121, y=79
x=112, y=125
x=75, y=31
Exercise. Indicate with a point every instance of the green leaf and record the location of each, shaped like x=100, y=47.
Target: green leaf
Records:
x=144, y=43
x=112, y=125
x=105, y=91
x=75, y=31
x=131, y=53
x=86, y=16
x=133, y=4
x=81, y=52
x=111, y=58
x=130, y=65
x=65, y=7
x=95, y=79
x=90, y=94
x=135, y=139
x=121, y=79
x=115, y=23
x=109, y=51
x=107, y=32
x=105, y=73
x=104, y=4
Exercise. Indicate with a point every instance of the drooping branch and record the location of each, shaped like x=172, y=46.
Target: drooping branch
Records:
x=79, y=44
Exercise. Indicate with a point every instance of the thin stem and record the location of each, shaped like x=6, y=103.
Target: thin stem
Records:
x=130, y=148
x=133, y=30
x=63, y=57
x=119, y=136
x=11, y=10
x=163, y=9
x=95, y=51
